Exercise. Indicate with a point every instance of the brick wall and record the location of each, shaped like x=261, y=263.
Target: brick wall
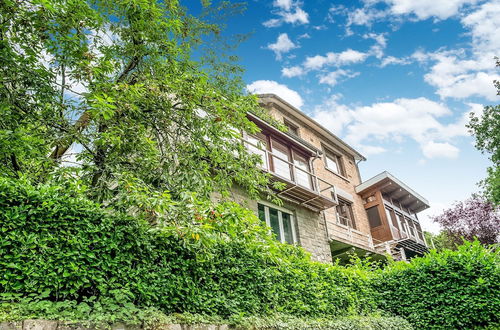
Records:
x=347, y=183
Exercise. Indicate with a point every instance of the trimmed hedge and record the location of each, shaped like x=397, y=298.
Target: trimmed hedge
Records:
x=446, y=290
x=57, y=245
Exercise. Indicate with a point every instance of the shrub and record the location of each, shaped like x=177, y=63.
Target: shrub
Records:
x=450, y=290
x=59, y=246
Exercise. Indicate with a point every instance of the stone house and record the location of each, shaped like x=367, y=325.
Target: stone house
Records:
x=327, y=209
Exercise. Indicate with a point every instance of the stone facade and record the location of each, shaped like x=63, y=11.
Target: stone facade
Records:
x=310, y=227
x=352, y=176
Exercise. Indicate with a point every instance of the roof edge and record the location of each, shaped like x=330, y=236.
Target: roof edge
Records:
x=381, y=176
x=313, y=123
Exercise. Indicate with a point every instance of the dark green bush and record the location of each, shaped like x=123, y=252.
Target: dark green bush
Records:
x=446, y=290
x=59, y=246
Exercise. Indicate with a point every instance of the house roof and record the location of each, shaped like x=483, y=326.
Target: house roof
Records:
x=272, y=98
x=303, y=144
x=395, y=189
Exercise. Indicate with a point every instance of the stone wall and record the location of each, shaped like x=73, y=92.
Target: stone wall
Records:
x=309, y=226
x=62, y=325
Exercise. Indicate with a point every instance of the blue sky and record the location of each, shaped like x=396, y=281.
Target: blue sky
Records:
x=396, y=79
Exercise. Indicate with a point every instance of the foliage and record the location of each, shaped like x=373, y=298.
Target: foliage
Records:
x=113, y=87
x=441, y=241
x=59, y=246
x=486, y=129
x=474, y=218
x=445, y=290
x=101, y=315
x=63, y=256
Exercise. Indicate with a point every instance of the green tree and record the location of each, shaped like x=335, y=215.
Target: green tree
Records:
x=441, y=241
x=486, y=129
x=118, y=80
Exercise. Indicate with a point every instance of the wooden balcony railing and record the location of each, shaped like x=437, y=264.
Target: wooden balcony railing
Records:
x=301, y=185
x=341, y=232
x=417, y=236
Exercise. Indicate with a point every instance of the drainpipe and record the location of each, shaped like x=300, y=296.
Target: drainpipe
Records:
x=311, y=162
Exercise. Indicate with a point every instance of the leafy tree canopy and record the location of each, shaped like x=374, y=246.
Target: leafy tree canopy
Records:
x=473, y=218
x=486, y=129
x=118, y=80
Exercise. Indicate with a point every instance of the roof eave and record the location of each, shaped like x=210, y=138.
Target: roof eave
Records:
x=335, y=139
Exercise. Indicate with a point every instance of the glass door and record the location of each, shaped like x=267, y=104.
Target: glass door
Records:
x=257, y=145
x=281, y=159
x=302, y=176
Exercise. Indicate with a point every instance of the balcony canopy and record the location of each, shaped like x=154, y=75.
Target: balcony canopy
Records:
x=398, y=191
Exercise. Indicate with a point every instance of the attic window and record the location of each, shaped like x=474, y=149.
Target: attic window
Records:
x=292, y=128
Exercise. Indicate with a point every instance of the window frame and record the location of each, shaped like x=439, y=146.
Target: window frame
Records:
x=350, y=211
x=292, y=127
x=280, y=211
x=380, y=222
x=337, y=159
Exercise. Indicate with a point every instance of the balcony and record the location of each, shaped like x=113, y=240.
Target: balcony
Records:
x=300, y=185
x=411, y=240
x=345, y=240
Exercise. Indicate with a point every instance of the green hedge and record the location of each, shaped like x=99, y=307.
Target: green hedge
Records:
x=446, y=290
x=58, y=246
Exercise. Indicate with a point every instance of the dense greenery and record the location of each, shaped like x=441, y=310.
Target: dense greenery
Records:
x=62, y=248
x=99, y=315
x=450, y=289
x=112, y=88
x=486, y=128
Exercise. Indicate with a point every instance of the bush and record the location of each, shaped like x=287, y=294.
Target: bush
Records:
x=101, y=316
x=59, y=246
x=446, y=290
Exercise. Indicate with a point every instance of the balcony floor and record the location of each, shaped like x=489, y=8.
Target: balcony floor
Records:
x=303, y=195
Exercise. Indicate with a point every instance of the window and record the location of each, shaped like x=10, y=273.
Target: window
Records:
x=257, y=146
x=281, y=223
x=404, y=227
x=392, y=217
x=301, y=170
x=281, y=159
x=374, y=217
x=410, y=226
x=345, y=215
x=334, y=163
x=292, y=129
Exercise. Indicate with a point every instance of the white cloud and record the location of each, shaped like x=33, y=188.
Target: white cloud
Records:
x=283, y=4
x=433, y=149
x=333, y=77
x=484, y=24
x=391, y=60
x=364, y=16
x=456, y=76
x=418, y=119
x=424, y=9
x=273, y=22
x=282, y=45
x=288, y=12
x=273, y=87
x=348, y=56
x=297, y=17
x=294, y=71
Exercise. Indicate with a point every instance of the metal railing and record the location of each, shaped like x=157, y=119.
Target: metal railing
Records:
x=292, y=172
